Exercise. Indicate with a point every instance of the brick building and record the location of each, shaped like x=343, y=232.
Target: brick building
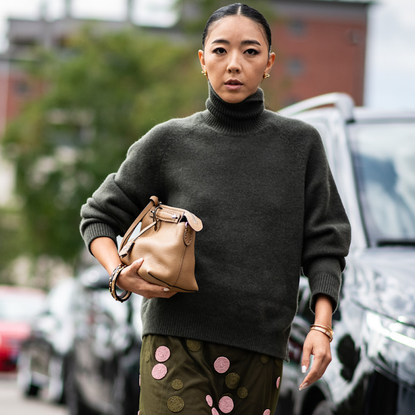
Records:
x=321, y=48
x=16, y=88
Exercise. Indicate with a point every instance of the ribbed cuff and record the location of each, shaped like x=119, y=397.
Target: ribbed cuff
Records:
x=325, y=278
x=98, y=230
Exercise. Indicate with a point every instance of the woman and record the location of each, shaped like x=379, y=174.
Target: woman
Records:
x=263, y=189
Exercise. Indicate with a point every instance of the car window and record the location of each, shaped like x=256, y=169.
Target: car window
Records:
x=384, y=161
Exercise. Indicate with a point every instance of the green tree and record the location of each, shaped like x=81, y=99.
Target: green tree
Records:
x=99, y=96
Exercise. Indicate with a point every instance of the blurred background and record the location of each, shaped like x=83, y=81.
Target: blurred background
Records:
x=80, y=81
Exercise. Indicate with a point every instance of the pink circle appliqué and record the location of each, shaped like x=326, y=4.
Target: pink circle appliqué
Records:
x=214, y=412
x=226, y=404
x=162, y=354
x=209, y=400
x=221, y=364
x=267, y=412
x=278, y=382
x=159, y=371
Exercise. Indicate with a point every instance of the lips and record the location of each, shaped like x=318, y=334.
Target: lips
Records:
x=234, y=82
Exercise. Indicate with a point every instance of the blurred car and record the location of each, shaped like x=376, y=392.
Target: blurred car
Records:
x=43, y=358
x=372, y=157
x=84, y=348
x=102, y=375
x=17, y=306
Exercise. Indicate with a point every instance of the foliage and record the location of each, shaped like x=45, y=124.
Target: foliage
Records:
x=11, y=239
x=100, y=94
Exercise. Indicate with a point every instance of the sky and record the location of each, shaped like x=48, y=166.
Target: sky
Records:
x=390, y=66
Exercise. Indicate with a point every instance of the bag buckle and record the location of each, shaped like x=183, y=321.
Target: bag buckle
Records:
x=154, y=216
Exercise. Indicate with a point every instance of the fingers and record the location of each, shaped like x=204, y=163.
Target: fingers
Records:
x=149, y=290
x=131, y=281
x=318, y=345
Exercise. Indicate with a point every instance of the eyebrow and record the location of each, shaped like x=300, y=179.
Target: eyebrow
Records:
x=244, y=42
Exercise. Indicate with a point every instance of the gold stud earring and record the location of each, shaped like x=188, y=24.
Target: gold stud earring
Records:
x=266, y=75
x=204, y=72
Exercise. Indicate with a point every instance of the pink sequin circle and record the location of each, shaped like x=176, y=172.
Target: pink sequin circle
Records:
x=278, y=382
x=226, y=404
x=159, y=371
x=214, y=412
x=221, y=364
x=267, y=412
x=209, y=400
x=162, y=354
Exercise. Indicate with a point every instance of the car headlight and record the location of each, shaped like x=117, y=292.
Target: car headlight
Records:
x=391, y=329
x=391, y=346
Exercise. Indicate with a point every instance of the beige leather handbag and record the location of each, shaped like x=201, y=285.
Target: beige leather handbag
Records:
x=166, y=241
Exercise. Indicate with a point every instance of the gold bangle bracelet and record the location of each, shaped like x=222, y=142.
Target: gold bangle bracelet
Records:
x=327, y=330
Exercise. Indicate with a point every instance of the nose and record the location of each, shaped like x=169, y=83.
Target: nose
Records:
x=234, y=64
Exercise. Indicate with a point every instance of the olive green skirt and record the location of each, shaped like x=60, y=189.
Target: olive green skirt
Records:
x=191, y=377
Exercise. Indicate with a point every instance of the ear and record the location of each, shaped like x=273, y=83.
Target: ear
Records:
x=202, y=59
x=271, y=60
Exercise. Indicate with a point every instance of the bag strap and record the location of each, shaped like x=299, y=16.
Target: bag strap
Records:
x=154, y=201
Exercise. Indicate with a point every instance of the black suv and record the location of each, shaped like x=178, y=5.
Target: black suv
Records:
x=372, y=157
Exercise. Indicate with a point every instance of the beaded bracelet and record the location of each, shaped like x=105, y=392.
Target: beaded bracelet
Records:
x=125, y=295
x=327, y=330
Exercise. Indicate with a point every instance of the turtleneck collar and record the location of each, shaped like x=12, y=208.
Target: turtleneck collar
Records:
x=240, y=118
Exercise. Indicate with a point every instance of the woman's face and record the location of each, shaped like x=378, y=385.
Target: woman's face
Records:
x=236, y=57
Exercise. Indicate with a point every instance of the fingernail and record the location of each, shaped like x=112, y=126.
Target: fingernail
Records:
x=166, y=289
x=303, y=386
x=304, y=369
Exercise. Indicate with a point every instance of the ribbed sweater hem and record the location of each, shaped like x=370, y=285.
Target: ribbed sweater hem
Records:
x=189, y=326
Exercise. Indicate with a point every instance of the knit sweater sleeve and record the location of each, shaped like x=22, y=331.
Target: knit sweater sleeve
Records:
x=327, y=231
x=120, y=198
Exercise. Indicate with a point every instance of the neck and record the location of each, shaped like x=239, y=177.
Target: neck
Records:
x=240, y=118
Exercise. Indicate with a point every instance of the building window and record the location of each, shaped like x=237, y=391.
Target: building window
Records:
x=355, y=36
x=297, y=28
x=21, y=87
x=295, y=67
x=23, y=42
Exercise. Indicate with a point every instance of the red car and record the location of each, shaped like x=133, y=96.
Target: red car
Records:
x=17, y=306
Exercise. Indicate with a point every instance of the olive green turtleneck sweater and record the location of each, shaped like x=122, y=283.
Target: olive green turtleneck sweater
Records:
x=263, y=189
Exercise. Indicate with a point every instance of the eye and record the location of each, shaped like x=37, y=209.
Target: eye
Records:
x=252, y=52
x=219, y=51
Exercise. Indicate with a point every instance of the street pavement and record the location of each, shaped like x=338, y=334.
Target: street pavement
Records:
x=13, y=403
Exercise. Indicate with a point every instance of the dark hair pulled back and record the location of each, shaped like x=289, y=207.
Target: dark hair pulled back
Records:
x=238, y=9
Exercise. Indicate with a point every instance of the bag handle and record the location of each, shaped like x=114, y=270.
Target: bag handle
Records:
x=154, y=201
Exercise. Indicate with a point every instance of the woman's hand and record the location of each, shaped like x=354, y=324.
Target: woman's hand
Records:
x=105, y=251
x=130, y=280
x=318, y=345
